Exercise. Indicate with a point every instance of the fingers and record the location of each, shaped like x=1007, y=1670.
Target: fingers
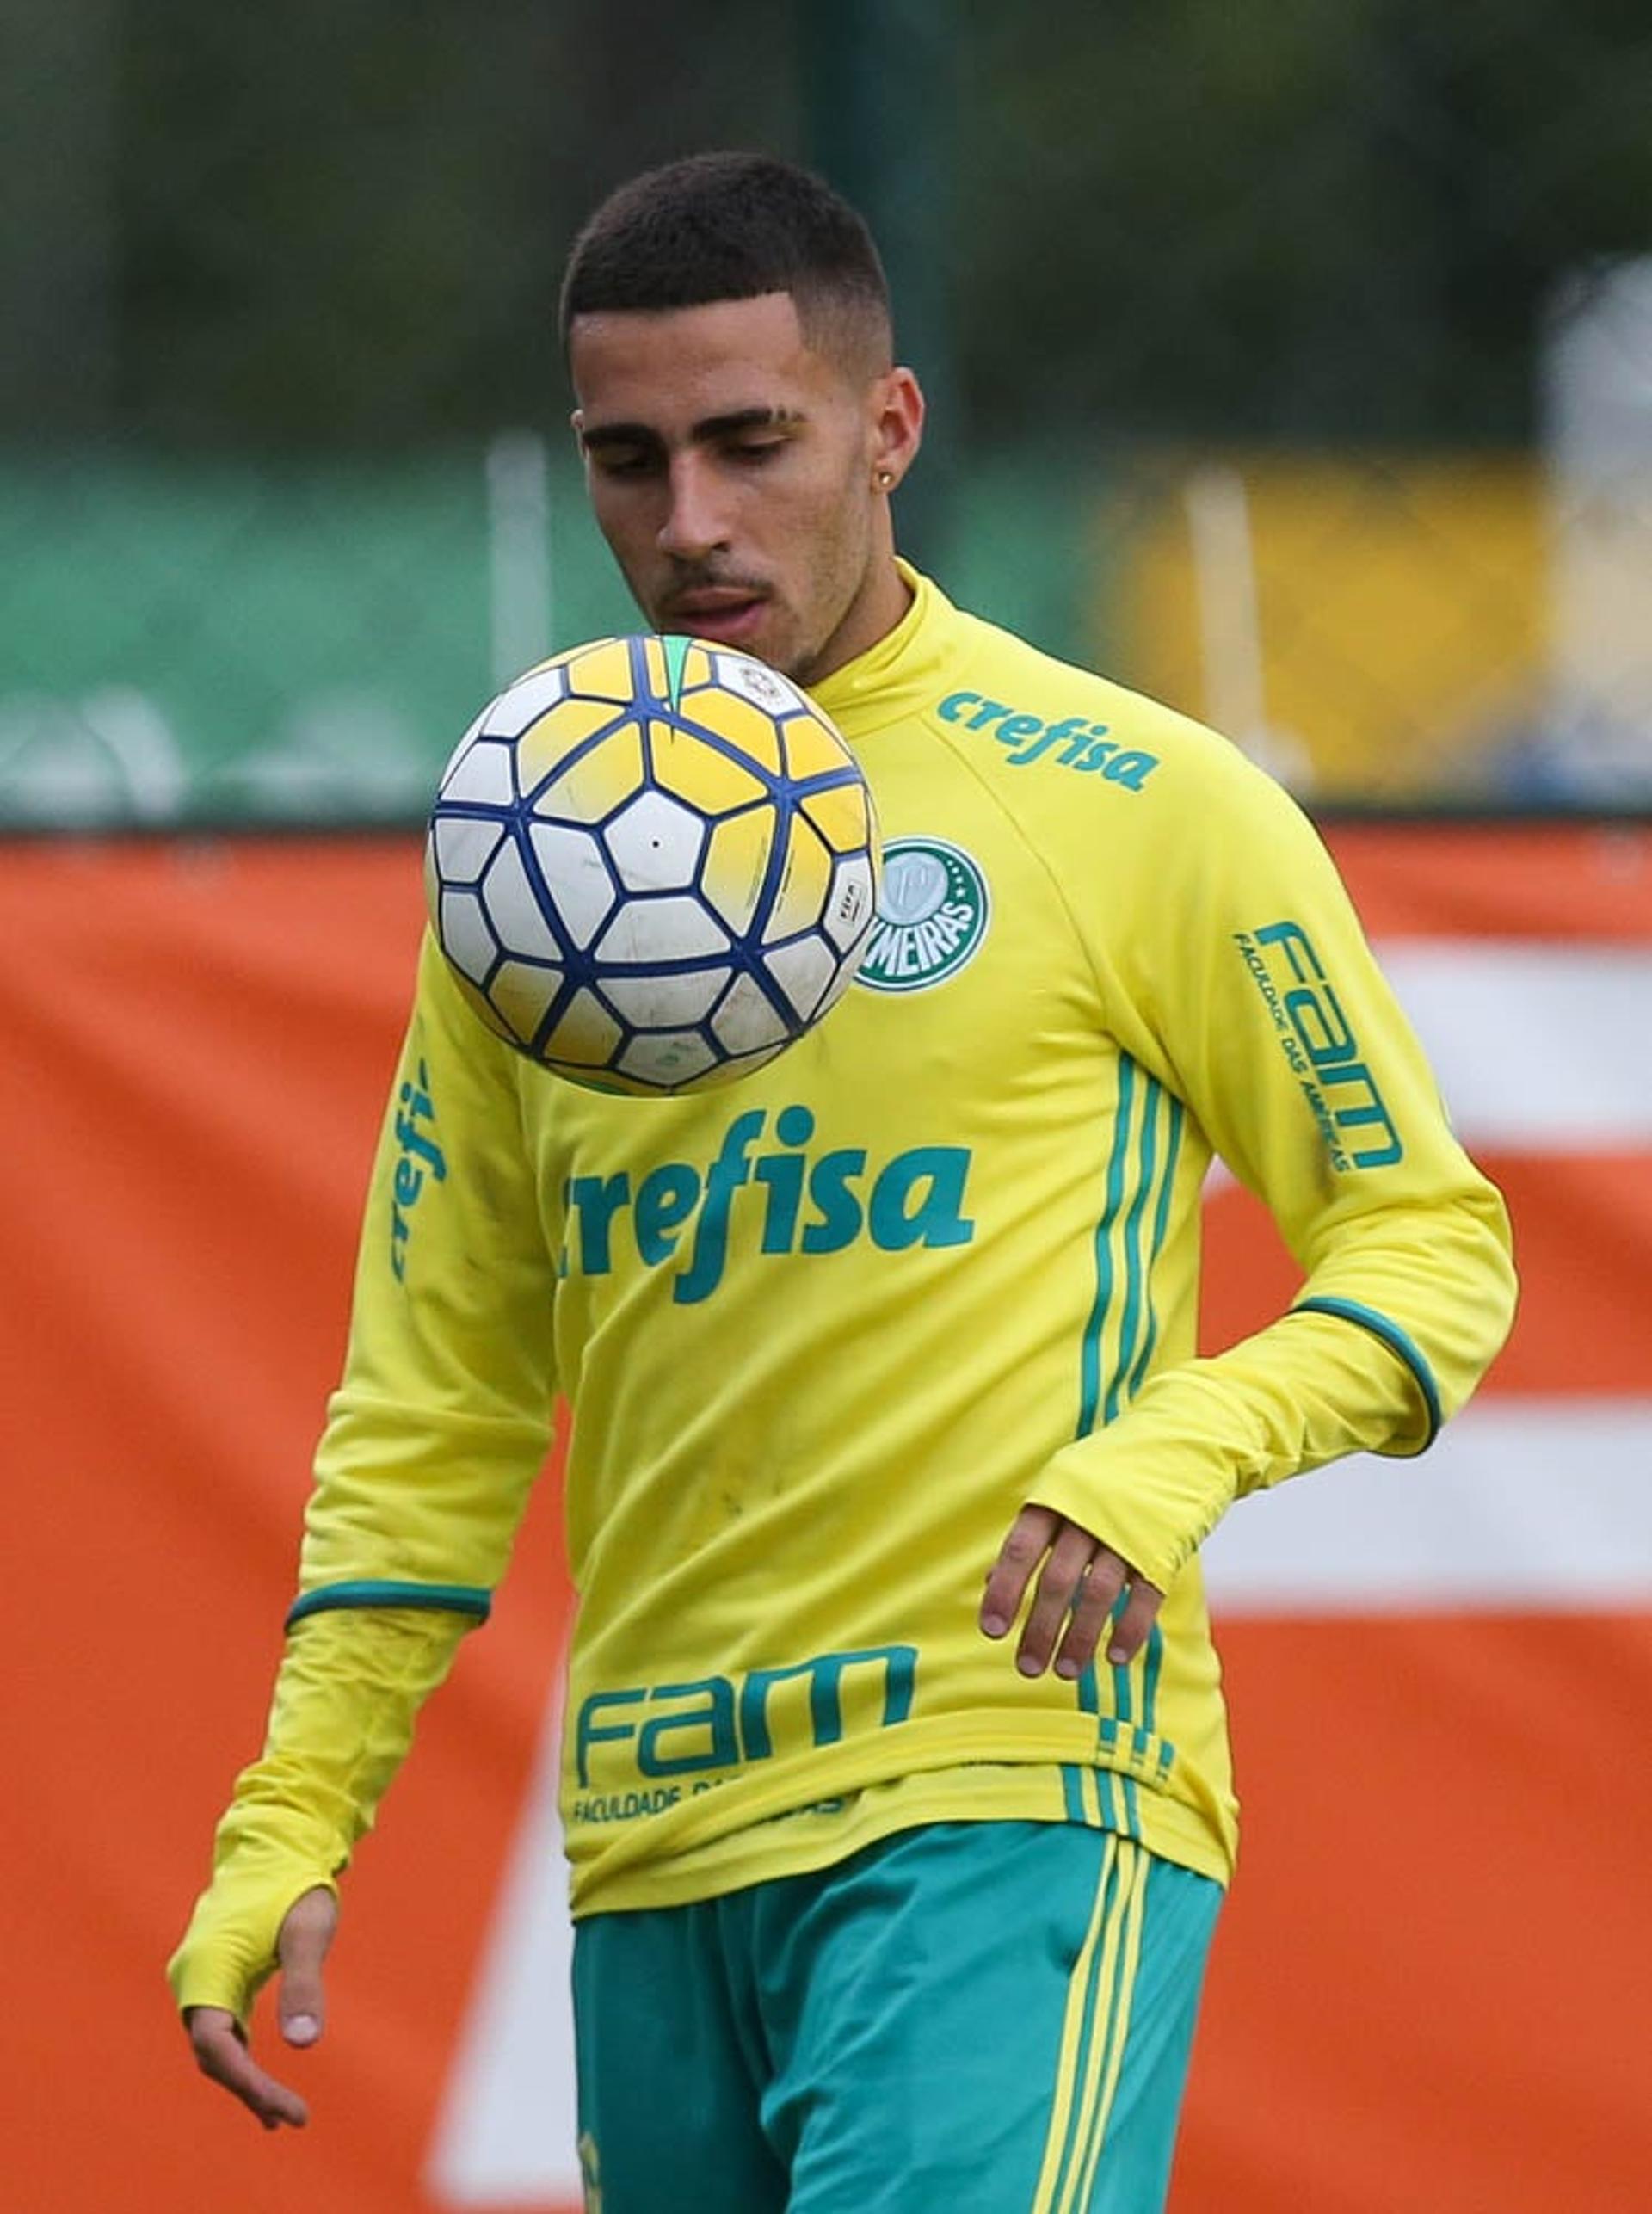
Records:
x=1029, y=1537
x=1076, y=1593
x=1091, y=1614
x=1129, y=1631
x=1075, y=1562
x=221, y=2053
x=301, y=1948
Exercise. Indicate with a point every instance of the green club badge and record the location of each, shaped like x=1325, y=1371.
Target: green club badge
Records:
x=932, y=916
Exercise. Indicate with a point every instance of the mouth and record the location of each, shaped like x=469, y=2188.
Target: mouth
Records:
x=728, y=614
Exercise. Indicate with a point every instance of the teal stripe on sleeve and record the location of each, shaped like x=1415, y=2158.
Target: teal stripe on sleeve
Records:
x=1128, y=1240
x=451, y=1598
x=1090, y=1396
x=1161, y=1225
x=1155, y=1661
x=1396, y=1341
x=1130, y=1321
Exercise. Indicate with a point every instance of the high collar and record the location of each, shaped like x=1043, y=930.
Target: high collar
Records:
x=902, y=672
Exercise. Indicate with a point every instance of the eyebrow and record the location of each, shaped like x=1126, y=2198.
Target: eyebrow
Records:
x=706, y=432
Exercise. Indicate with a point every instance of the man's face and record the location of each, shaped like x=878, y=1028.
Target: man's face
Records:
x=733, y=470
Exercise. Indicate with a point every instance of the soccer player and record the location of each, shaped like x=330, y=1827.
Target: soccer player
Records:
x=896, y=1781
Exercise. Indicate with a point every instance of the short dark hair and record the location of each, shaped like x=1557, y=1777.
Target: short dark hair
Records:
x=733, y=227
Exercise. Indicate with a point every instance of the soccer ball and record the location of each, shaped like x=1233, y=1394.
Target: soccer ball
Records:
x=652, y=863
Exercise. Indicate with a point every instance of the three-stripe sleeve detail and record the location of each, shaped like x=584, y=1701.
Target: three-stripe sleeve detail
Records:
x=1122, y=1329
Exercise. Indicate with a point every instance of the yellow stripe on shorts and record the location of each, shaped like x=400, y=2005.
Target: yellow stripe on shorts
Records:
x=1094, y=2030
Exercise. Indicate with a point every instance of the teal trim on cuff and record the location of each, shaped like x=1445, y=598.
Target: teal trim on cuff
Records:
x=451, y=1598
x=1367, y=1319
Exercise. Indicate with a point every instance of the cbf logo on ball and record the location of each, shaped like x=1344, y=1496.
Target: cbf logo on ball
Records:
x=933, y=913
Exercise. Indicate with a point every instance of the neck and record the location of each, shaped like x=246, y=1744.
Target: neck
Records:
x=876, y=608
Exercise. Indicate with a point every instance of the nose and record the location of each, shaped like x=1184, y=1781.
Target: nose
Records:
x=695, y=524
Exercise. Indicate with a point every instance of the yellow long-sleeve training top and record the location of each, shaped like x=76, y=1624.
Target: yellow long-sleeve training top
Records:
x=824, y=1332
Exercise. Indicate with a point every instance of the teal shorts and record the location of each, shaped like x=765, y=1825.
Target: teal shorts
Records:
x=992, y=2015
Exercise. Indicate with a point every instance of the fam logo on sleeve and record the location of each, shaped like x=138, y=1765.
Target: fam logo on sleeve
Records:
x=933, y=913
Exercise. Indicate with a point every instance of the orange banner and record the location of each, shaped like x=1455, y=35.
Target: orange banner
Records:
x=1429, y=1988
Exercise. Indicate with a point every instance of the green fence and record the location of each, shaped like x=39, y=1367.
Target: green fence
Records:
x=202, y=642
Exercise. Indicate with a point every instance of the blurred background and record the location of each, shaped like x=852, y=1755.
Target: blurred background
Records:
x=1299, y=371
x=1293, y=364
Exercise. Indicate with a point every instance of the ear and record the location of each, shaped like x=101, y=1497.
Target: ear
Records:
x=896, y=404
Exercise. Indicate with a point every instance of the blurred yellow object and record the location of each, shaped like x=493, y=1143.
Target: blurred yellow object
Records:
x=1370, y=627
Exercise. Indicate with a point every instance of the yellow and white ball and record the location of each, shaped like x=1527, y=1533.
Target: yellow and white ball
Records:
x=652, y=863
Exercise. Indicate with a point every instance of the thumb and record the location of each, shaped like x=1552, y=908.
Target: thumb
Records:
x=301, y=1948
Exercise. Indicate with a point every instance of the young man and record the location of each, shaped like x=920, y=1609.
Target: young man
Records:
x=882, y=1900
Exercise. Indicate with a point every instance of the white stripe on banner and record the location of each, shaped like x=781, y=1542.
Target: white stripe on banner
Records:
x=1539, y=1502
x=1539, y=1048
x=1521, y=1503
x=507, y=2131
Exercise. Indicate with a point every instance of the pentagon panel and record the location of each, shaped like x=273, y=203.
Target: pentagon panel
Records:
x=463, y=845
x=713, y=781
x=480, y=1003
x=804, y=970
x=542, y=751
x=667, y=1058
x=656, y=681
x=575, y=875
x=839, y=813
x=852, y=905
x=589, y=789
x=738, y=722
x=603, y=672
x=587, y=1035
x=698, y=665
x=805, y=881
x=524, y=702
x=748, y=1021
x=763, y=686
x=513, y=905
x=664, y=1002
x=671, y=927
x=737, y=862
x=655, y=843
x=466, y=940
x=481, y=773
x=812, y=748
x=523, y=993
x=474, y=731
x=570, y=654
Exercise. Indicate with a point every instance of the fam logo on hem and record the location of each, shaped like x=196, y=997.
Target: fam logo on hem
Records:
x=933, y=913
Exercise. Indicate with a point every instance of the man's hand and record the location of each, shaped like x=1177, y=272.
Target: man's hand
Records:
x=1079, y=1587
x=219, y=2045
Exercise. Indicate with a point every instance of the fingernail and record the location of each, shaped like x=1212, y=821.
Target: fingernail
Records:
x=1028, y=1666
x=302, y=2029
x=1117, y=1655
x=1066, y=1668
x=993, y=1625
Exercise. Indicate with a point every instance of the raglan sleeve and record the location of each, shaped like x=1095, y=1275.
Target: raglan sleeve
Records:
x=1248, y=978
x=441, y=1423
